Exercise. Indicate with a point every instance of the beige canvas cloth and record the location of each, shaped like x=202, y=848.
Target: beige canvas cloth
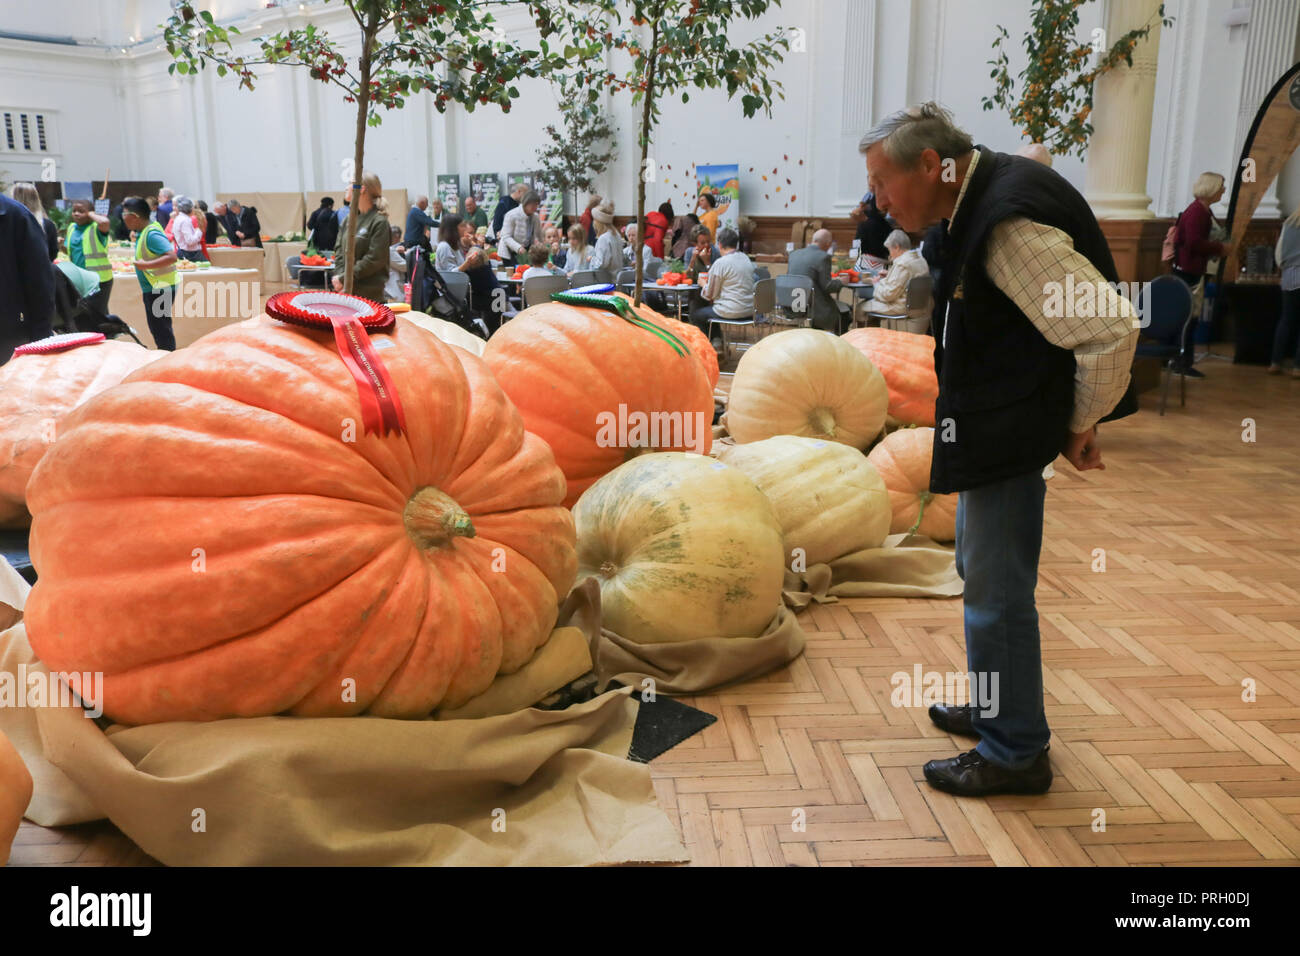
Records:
x=904, y=566
x=682, y=667
x=531, y=787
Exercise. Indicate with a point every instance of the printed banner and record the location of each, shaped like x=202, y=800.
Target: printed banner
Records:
x=486, y=189
x=449, y=192
x=723, y=184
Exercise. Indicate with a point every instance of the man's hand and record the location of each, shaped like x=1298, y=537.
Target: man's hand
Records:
x=1082, y=451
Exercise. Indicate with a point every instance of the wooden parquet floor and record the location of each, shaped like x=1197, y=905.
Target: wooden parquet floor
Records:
x=1147, y=668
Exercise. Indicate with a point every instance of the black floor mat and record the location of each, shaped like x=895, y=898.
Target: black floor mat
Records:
x=661, y=725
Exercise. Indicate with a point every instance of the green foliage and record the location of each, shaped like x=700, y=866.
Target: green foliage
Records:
x=1055, y=98
x=580, y=152
x=454, y=50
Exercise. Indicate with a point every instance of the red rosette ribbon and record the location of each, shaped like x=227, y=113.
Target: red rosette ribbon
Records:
x=59, y=343
x=351, y=317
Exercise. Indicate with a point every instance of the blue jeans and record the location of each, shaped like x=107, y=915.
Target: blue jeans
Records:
x=999, y=537
x=1286, y=327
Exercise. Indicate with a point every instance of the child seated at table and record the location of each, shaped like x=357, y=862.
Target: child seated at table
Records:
x=538, y=254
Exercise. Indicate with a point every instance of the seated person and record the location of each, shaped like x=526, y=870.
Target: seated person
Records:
x=555, y=247
x=629, y=250
x=489, y=298
x=703, y=253
x=538, y=257
x=729, y=289
x=905, y=264
x=577, y=258
x=814, y=261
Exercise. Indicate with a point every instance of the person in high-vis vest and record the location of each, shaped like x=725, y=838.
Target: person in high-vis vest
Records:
x=155, y=267
x=88, y=248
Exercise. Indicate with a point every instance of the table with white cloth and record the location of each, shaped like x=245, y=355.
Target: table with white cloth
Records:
x=236, y=257
x=274, y=268
x=228, y=296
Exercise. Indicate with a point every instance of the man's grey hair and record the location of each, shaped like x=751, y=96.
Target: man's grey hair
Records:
x=167, y=193
x=908, y=133
x=530, y=197
x=728, y=238
x=822, y=238
x=898, y=240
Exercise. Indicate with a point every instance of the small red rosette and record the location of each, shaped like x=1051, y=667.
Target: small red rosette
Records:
x=351, y=318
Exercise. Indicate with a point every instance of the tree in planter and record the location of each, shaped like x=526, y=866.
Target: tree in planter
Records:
x=453, y=50
x=1056, y=86
x=579, y=154
x=675, y=46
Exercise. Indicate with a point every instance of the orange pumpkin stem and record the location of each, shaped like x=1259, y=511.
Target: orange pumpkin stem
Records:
x=433, y=519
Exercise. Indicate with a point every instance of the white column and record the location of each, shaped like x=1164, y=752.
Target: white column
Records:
x=1115, y=171
x=1270, y=41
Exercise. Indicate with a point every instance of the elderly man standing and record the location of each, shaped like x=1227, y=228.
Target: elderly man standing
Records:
x=418, y=224
x=521, y=228
x=505, y=205
x=164, y=213
x=814, y=261
x=228, y=220
x=1018, y=385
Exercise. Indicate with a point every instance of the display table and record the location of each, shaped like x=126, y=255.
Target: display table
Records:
x=236, y=257
x=1249, y=312
x=227, y=296
x=277, y=253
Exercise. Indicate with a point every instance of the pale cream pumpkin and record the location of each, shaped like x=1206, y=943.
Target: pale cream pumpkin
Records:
x=684, y=547
x=810, y=383
x=449, y=332
x=829, y=499
x=903, y=460
x=37, y=392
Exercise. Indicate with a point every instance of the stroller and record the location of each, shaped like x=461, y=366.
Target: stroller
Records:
x=429, y=294
x=72, y=313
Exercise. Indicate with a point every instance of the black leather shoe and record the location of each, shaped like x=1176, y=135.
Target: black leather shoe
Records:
x=970, y=775
x=953, y=719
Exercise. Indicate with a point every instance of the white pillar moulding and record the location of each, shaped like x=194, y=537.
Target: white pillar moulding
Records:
x=1115, y=171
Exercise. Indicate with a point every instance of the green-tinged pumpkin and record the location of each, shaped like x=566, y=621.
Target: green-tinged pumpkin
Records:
x=600, y=390
x=684, y=547
x=809, y=383
x=829, y=499
x=903, y=460
x=449, y=332
x=907, y=362
x=222, y=538
x=37, y=392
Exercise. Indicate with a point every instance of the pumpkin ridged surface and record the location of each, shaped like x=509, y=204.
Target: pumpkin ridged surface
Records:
x=323, y=559
x=564, y=367
x=684, y=547
x=36, y=392
x=829, y=498
x=809, y=383
x=903, y=460
x=907, y=362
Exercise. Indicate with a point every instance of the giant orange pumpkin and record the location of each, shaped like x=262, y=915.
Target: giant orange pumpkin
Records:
x=572, y=371
x=36, y=393
x=15, y=794
x=907, y=362
x=221, y=538
x=903, y=459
